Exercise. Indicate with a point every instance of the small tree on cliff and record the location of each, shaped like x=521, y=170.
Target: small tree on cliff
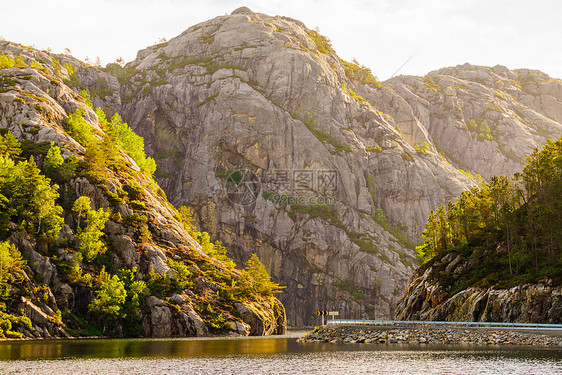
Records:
x=11, y=264
x=53, y=160
x=89, y=237
x=107, y=307
x=259, y=278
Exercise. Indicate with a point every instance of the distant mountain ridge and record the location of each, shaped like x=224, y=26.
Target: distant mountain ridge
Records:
x=507, y=112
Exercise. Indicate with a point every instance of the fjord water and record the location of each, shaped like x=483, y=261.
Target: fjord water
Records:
x=271, y=355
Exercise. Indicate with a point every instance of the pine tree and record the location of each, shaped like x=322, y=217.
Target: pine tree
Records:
x=9, y=146
x=11, y=264
x=78, y=128
x=133, y=144
x=90, y=244
x=53, y=160
x=81, y=206
x=260, y=278
x=107, y=307
x=513, y=226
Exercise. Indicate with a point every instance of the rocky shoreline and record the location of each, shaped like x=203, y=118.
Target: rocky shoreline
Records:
x=424, y=336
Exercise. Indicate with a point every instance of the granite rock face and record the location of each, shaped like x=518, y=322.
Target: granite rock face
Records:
x=427, y=299
x=482, y=120
x=35, y=99
x=253, y=93
x=250, y=117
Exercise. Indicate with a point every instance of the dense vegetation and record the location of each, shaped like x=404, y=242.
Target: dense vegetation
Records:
x=507, y=232
x=322, y=43
x=360, y=73
x=40, y=205
x=28, y=201
x=116, y=134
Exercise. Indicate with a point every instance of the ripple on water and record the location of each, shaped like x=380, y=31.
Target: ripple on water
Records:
x=462, y=362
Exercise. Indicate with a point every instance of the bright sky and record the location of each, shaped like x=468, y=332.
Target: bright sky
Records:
x=381, y=34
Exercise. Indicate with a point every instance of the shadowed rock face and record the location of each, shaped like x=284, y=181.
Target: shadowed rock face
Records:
x=427, y=299
x=266, y=96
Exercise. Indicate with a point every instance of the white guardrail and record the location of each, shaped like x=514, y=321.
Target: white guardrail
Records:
x=431, y=324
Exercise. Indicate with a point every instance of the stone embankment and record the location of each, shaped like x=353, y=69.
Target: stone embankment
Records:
x=447, y=336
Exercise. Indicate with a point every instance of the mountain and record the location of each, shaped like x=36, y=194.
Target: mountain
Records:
x=496, y=254
x=89, y=244
x=482, y=120
x=283, y=149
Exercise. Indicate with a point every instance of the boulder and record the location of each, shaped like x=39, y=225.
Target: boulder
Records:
x=34, y=312
x=126, y=249
x=157, y=260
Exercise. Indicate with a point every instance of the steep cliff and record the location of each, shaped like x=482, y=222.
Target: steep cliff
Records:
x=496, y=254
x=284, y=149
x=427, y=299
x=328, y=176
x=89, y=242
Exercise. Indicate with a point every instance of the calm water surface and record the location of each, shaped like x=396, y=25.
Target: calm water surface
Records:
x=280, y=355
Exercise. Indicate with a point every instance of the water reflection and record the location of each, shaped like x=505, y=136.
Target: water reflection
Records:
x=271, y=355
x=118, y=348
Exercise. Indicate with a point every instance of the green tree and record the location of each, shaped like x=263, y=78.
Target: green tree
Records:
x=81, y=206
x=444, y=229
x=89, y=243
x=8, y=208
x=135, y=288
x=84, y=95
x=182, y=277
x=214, y=250
x=186, y=218
x=95, y=162
x=109, y=147
x=260, y=279
x=53, y=160
x=9, y=145
x=27, y=198
x=430, y=235
x=8, y=321
x=159, y=284
x=11, y=265
x=132, y=143
x=68, y=169
x=102, y=118
x=78, y=128
x=75, y=274
x=131, y=308
x=512, y=227
x=107, y=307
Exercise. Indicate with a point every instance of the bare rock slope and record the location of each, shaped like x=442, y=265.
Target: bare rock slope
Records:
x=285, y=150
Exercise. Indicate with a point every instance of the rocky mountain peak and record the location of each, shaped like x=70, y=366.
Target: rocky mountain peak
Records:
x=242, y=10
x=261, y=107
x=482, y=120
